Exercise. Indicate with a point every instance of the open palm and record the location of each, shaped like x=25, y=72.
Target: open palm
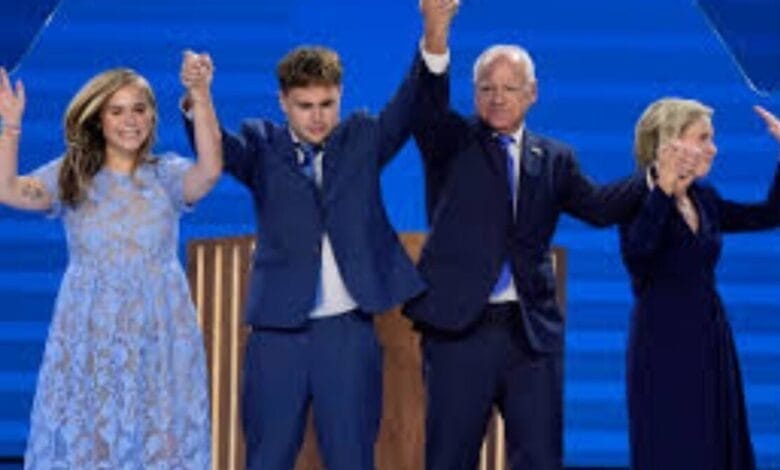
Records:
x=772, y=122
x=11, y=100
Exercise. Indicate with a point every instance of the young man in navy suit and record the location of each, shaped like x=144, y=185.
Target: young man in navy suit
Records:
x=327, y=259
x=492, y=330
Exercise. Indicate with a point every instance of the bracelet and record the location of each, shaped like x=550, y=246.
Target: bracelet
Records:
x=13, y=129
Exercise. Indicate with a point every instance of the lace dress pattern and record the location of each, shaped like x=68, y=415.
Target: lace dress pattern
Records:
x=123, y=381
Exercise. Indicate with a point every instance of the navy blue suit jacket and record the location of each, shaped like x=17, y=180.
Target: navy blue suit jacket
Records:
x=291, y=216
x=472, y=227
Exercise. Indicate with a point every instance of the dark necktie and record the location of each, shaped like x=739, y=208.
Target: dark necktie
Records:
x=506, y=142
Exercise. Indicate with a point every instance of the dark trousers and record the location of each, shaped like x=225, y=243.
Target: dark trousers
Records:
x=468, y=373
x=334, y=365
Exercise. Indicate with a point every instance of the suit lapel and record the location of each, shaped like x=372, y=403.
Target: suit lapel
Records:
x=491, y=147
x=486, y=159
x=496, y=158
x=331, y=164
x=532, y=153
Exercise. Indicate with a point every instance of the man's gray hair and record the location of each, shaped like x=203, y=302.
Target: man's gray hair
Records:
x=512, y=52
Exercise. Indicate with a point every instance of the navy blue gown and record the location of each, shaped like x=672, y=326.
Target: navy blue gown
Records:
x=685, y=399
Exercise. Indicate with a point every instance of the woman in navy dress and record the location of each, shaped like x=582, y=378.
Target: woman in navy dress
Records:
x=685, y=399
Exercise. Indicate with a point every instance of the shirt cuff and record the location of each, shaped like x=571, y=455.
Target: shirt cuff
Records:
x=186, y=108
x=437, y=63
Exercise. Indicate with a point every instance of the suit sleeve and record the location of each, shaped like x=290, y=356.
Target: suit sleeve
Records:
x=438, y=131
x=641, y=238
x=741, y=217
x=599, y=205
x=402, y=112
x=240, y=151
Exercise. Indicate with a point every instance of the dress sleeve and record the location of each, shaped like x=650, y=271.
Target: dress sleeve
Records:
x=642, y=238
x=746, y=217
x=171, y=169
x=49, y=174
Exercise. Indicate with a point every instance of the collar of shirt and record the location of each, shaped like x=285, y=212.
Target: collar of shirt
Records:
x=297, y=142
x=518, y=141
x=518, y=135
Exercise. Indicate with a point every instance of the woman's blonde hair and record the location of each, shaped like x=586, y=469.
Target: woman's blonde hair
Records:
x=664, y=120
x=85, y=153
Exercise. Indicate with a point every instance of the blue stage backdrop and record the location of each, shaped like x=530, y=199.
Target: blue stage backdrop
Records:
x=599, y=63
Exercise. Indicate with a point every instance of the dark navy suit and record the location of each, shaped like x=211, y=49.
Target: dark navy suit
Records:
x=332, y=363
x=479, y=354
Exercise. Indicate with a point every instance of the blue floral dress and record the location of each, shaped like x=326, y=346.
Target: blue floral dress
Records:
x=123, y=382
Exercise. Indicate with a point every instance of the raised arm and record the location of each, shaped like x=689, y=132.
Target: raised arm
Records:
x=598, y=205
x=398, y=117
x=617, y=202
x=772, y=122
x=741, y=217
x=437, y=17
x=20, y=192
x=197, y=72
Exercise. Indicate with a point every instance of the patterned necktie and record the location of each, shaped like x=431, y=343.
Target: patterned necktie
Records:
x=506, y=141
x=306, y=163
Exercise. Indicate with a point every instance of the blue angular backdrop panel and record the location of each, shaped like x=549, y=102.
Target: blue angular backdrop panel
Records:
x=599, y=63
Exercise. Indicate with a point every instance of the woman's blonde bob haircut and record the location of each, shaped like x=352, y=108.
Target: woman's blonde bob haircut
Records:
x=664, y=120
